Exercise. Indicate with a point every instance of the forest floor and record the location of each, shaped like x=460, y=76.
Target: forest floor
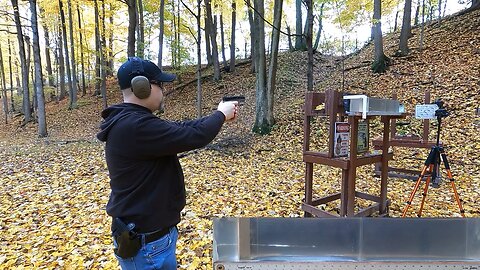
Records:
x=53, y=190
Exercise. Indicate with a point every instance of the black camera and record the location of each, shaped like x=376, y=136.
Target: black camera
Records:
x=441, y=111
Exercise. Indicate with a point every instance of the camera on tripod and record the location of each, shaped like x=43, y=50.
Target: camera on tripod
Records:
x=441, y=111
x=437, y=156
x=435, y=110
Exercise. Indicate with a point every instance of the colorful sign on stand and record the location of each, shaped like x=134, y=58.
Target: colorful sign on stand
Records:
x=342, y=139
x=362, y=141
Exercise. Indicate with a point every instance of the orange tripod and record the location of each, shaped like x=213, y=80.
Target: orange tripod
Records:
x=435, y=157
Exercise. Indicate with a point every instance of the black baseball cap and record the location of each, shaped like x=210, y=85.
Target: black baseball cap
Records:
x=136, y=66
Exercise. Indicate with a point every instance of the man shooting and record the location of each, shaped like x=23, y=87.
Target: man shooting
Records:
x=146, y=179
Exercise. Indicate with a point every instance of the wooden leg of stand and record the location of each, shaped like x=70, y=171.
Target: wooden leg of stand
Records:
x=344, y=194
x=384, y=168
x=308, y=186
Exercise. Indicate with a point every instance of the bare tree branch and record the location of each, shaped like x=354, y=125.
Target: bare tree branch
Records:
x=8, y=31
x=191, y=32
x=193, y=14
x=269, y=23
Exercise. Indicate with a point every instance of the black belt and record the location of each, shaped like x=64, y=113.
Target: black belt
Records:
x=150, y=237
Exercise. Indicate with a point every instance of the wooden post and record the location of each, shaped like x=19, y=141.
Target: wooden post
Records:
x=352, y=171
x=393, y=125
x=343, y=193
x=308, y=185
x=384, y=166
x=331, y=99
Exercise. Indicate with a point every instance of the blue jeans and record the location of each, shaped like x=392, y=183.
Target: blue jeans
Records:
x=156, y=255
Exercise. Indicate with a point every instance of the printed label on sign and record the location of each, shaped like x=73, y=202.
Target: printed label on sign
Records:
x=362, y=141
x=342, y=139
x=425, y=111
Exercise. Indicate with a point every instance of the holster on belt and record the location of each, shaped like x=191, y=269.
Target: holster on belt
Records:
x=128, y=241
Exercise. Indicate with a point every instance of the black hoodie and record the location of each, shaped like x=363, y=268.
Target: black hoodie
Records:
x=146, y=179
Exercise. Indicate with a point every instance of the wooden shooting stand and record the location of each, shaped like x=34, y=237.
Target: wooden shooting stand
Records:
x=405, y=141
x=335, y=112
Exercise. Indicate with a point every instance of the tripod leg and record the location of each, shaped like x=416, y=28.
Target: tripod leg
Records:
x=452, y=182
x=409, y=202
x=425, y=189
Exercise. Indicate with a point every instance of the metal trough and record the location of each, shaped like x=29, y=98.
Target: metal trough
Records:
x=346, y=243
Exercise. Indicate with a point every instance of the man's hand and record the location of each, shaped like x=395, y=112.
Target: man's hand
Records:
x=229, y=109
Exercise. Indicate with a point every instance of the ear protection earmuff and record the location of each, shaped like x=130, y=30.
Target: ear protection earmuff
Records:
x=141, y=87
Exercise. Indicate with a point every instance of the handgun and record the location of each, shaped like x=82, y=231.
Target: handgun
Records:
x=240, y=99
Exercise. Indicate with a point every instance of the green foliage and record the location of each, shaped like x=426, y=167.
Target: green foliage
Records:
x=350, y=13
x=151, y=6
x=333, y=46
x=182, y=52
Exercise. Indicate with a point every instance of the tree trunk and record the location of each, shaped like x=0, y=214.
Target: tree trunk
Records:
x=65, y=45
x=381, y=62
x=73, y=90
x=290, y=44
x=103, y=63
x=252, y=36
x=213, y=39
x=320, y=28
x=417, y=13
x=12, y=107
x=395, y=26
x=141, y=31
x=444, y=7
x=263, y=116
x=406, y=28
x=51, y=81
x=222, y=42
x=132, y=23
x=23, y=63
x=80, y=30
x=309, y=38
x=208, y=48
x=48, y=60
x=162, y=30
x=232, y=39
x=298, y=25
x=177, y=37
x=174, y=38
x=303, y=47
x=17, y=79
x=42, y=123
x=28, y=54
x=4, y=86
x=272, y=70
x=475, y=4
x=110, y=43
x=439, y=12
x=98, y=48
x=430, y=14
x=422, y=27
x=199, y=60
x=61, y=65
